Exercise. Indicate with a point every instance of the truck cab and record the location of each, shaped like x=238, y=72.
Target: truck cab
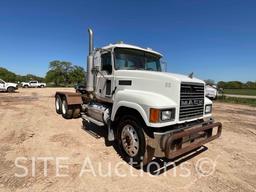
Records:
x=134, y=75
x=148, y=112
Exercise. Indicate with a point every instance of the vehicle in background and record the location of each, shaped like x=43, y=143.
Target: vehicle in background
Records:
x=211, y=92
x=80, y=88
x=32, y=84
x=146, y=111
x=6, y=86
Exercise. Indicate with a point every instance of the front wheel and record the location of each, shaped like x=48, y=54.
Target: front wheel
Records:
x=131, y=141
x=10, y=89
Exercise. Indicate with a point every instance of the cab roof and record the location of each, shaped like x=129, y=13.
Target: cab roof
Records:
x=123, y=45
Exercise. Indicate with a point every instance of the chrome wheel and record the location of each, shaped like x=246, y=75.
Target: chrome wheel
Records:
x=130, y=140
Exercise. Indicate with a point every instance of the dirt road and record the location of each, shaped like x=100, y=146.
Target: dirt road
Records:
x=53, y=154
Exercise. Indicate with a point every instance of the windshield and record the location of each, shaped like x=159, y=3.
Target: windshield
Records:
x=132, y=59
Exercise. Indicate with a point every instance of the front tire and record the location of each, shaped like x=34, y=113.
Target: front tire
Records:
x=131, y=142
x=10, y=89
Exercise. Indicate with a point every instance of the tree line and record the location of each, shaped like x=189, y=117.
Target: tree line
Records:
x=9, y=76
x=237, y=85
x=232, y=84
x=60, y=73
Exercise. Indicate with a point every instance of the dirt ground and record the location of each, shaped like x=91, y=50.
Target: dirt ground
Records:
x=31, y=130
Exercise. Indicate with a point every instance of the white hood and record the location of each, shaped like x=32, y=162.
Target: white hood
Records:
x=165, y=84
x=157, y=75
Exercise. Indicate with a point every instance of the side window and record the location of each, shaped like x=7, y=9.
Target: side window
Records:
x=106, y=62
x=120, y=63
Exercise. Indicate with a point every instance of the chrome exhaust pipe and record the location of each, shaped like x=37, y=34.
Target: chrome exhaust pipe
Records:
x=90, y=41
x=90, y=78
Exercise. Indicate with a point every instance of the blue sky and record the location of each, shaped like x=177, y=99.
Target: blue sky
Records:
x=214, y=39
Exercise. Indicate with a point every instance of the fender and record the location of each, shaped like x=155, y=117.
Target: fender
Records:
x=72, y=98
x=131, y=105
x=207, y=101
x=141, y=101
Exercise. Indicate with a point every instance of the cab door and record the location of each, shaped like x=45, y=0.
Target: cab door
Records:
x=105, y=78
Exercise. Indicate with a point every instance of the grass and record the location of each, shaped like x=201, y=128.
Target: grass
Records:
x=234, y=100
x=240, y=91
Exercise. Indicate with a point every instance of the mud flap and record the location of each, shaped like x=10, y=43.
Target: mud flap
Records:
x=149, y=154
x=111, y=136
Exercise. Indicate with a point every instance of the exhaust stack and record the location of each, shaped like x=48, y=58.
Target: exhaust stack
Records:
x=90, y=81
x=90, y=41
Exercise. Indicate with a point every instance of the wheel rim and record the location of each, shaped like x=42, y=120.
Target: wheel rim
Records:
x=130, y=140
x=64, y=107
x=57, y=105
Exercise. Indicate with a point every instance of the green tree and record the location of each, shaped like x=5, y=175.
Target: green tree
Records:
x=76, y=75
x=60, y=70
x=221, y=84
x=64, y=73
x=250, y=85
x=7, y=75
x=53, y=76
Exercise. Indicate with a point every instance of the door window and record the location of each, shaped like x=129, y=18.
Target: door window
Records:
x=106, y=64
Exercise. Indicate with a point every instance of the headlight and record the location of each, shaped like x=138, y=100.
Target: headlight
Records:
x=208, y=109
x=157, y=115
x=167, y=115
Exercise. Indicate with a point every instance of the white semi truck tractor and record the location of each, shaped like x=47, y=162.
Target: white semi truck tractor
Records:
x=146, y=111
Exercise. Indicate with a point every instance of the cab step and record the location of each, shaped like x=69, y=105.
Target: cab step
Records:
x=94, y=121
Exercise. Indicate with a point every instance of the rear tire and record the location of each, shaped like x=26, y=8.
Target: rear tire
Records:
x=10, y=89
x=67, y=111
x=58, y=104
x=131, y=142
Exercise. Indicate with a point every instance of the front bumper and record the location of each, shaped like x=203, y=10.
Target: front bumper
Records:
x=176, y=143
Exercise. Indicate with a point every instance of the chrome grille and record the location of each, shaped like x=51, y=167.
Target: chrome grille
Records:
x=191, y=100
